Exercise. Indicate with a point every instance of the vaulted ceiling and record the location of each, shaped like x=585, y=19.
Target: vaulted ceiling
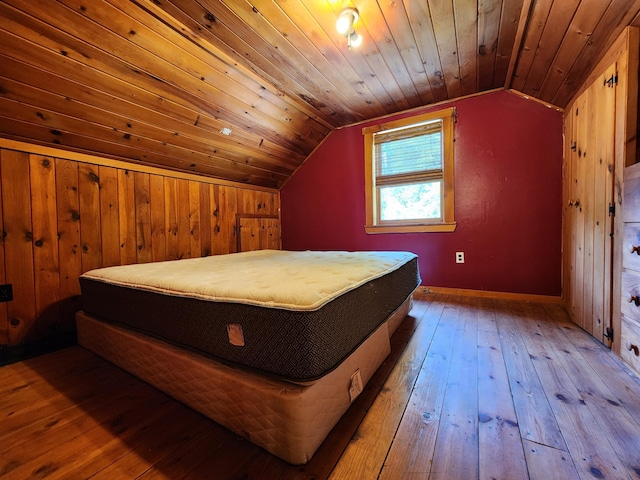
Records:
x=156, y=82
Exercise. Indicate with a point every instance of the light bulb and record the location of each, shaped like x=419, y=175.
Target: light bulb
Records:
x=355, y=39
x=343, y=24
x=346, y=19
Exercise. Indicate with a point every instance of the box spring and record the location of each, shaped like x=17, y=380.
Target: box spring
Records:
x=289, y=420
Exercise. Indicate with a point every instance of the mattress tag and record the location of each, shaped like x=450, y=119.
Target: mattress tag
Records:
x=356, y=386
x=236, y=337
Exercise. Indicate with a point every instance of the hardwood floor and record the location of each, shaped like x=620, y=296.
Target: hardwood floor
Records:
x=473, y=388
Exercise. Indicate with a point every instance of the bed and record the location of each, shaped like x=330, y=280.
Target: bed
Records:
x=273, y=345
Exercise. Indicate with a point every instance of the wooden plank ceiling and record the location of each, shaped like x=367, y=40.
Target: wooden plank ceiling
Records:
x=156, y=81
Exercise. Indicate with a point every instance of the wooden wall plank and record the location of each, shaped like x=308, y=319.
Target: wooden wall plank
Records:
x=18, y=245
x=216, y=227
x=581, y=109
x=568, y=166
x=205, y=220
x=270, y=233
x=228, y=209
x=184, y=222
x=126, y=205
x=45, y=243
x=109, y=216
x=246, y=203
x=171, y=217
x=90, y=235
x=63, y=217
x=248, y=233
x=587, y=204
x=158, y=220
x=194, y=218
x=603, y=191
x=68, y=207
x=4, y=321
x=143, y=217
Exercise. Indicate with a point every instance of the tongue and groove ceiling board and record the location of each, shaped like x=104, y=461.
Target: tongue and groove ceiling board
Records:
x=155, y=82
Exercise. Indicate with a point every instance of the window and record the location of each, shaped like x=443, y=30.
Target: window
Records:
x=409, y=174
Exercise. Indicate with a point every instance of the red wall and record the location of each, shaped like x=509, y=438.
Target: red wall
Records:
x=508, y=200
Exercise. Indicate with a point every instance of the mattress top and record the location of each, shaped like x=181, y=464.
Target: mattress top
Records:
x=268, y=278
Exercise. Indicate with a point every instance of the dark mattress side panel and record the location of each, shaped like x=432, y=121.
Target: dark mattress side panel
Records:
x=293, y=345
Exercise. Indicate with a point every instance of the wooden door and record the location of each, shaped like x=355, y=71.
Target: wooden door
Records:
x=588, y=219
x=257, y=232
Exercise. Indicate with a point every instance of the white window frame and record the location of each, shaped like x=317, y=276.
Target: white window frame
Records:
x=447, y=221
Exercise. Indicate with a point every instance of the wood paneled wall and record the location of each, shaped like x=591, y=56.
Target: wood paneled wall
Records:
x=62, y=217
x=604, y=138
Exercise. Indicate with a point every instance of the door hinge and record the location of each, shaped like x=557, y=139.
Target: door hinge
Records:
x=608, y=334
x=613, y=80
x=612, y=209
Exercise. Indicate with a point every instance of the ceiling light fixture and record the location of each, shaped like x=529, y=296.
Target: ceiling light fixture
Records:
x=345, y=26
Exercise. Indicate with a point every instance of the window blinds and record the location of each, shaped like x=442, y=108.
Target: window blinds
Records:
x=414, y=151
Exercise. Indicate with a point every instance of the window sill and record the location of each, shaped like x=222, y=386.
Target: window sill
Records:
x=431, y=227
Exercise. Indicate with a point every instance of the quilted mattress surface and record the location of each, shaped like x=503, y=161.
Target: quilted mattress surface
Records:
x=267, y=278
x=304, y=312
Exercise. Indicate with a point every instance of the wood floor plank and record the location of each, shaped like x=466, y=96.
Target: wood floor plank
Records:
x=622, y=383
x=82, y=441
x=157, y=445
x=34, y=394
x=501, y=451
x=125, y=432
x=536, y=420
x=486, y=315
x=456, y=451
x=32, y=438
x=323, y=462
x=32, y=406
x=474, y=388
x=547, y=463
x=61, y=364
x=419, y=424
x=54, y=365
x=184, y=459
x=365, y=454
x=592, y=455
x=612, y=418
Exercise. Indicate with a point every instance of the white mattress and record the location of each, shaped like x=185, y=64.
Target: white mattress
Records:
x=301, y=281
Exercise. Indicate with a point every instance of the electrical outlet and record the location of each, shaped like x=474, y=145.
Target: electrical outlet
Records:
x=459, y=257
x=6, y=293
